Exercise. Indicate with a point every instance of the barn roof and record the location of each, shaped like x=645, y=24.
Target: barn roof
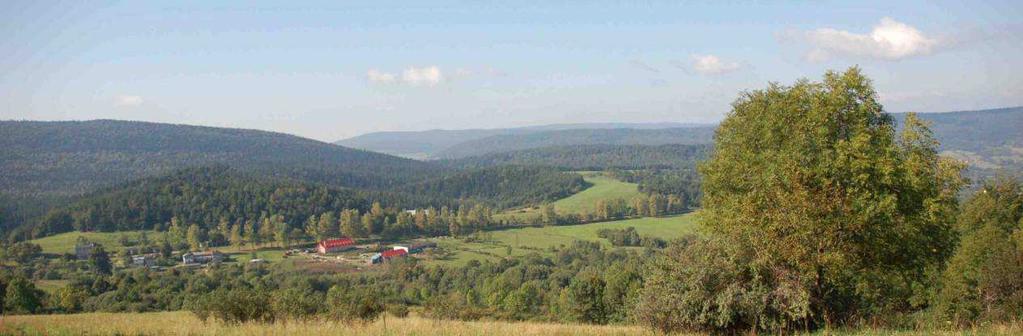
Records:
x=393, y=253
x=337, y=242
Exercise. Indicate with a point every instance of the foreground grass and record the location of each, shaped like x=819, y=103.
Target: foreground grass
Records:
x=523, y=241
x=184, y=323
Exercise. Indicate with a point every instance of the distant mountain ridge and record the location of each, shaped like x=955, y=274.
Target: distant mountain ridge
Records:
x=593, y=157
x=989, y=140
x=427, y=144
x=575, y=137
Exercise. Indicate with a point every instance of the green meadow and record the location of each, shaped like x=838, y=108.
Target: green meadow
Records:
x=604, y=187
x=527, y=240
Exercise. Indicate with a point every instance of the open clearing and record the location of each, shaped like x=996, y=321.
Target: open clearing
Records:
x=604, y=187
x=540, y=239
x=65, y=242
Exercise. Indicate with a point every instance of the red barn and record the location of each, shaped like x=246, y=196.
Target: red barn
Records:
x=393, y=253
x=335, y=245
x=387, y=255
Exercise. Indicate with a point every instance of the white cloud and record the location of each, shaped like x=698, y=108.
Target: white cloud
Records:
x=889, y=40
x=424, y=76
x=125, y=100
x=428, y=76
x=712, y=65
x=380, y=77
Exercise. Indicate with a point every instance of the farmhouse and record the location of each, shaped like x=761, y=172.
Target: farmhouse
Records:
x=201, y=257
x=144, y=260
x=335, y=245
x=387, y=255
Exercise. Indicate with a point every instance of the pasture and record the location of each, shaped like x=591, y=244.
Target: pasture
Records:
x=526, y=240
x=604, y=187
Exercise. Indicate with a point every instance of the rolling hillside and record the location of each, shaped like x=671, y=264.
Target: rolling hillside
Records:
x=44, y=165
x=72, y=157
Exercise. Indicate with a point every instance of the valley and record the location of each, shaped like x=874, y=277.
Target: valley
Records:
x=616, y=229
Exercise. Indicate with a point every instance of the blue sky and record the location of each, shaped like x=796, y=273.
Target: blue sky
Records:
x=337, y=69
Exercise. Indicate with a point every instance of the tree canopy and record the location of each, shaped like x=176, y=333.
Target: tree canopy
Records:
x=826, y=202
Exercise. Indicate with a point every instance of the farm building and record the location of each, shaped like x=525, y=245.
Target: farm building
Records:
x=144, y=260
x=201, y=257
x=416, y=247
x=387, y=255
x=335, y=245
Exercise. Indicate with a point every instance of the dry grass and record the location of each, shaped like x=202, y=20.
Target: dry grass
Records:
x=183, y=323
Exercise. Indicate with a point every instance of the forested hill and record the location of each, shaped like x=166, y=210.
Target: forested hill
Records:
x=593, y=157
x=504, y=186
x=427, y=144
x=207, y=196
x=74, y=157
x=617, y=136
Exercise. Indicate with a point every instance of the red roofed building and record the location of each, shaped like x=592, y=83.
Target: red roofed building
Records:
x=393, y=253
x=335, y=245
x=387, y=255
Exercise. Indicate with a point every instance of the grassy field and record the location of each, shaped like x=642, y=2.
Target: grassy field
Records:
x=184, y=323
x=540, y=239
x=604, y=187
x=65, y=242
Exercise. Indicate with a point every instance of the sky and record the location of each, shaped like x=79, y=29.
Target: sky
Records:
x=337, y=69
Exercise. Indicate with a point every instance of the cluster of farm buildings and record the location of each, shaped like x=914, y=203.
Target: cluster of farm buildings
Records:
x=397, y=251
x=328, y=246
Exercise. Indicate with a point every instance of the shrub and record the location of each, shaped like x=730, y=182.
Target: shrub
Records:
x=295, y=303
x=984, y=279
x=714, y=285
x=237, y=305
x=353, y=304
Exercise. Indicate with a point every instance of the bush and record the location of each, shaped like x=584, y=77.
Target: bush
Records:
x=353, y=304
x=237, y=305
x=295, y=303
x=714, y=285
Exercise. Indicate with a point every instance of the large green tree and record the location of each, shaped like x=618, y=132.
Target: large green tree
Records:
x=828, y=200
